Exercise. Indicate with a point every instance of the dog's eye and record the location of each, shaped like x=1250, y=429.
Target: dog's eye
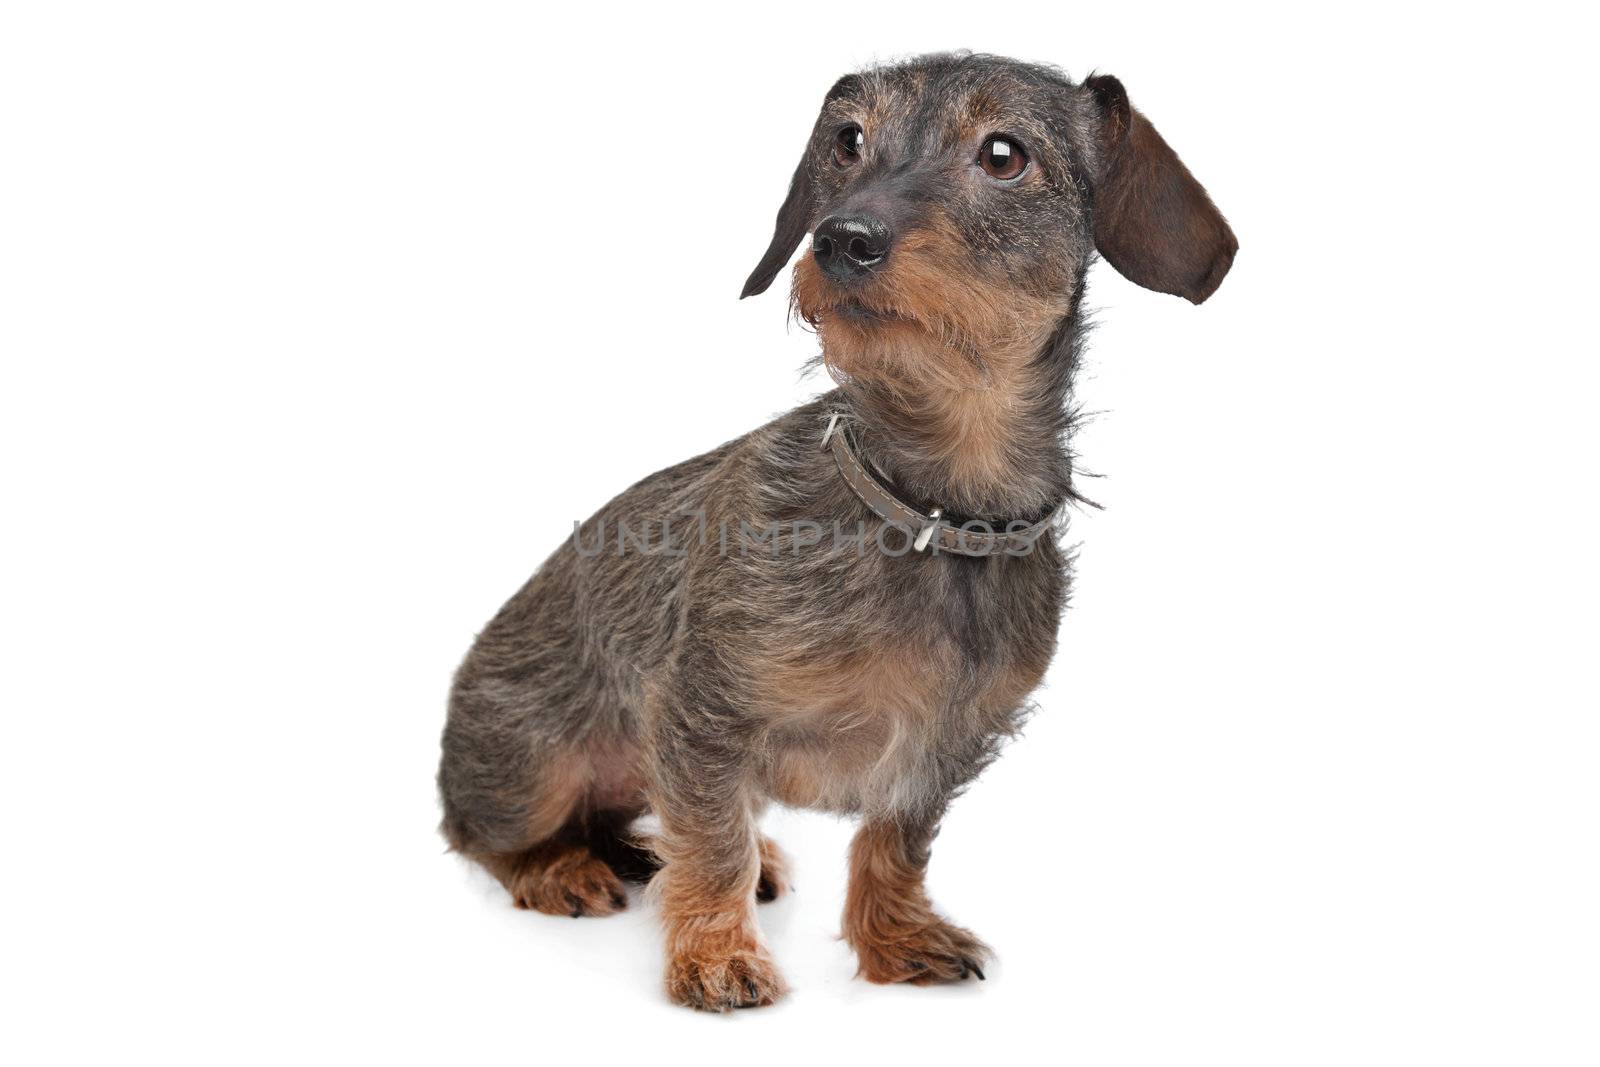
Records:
x=847, y=146
x=1002, y=158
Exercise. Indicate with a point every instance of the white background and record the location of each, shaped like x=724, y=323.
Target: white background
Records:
x=321, y=322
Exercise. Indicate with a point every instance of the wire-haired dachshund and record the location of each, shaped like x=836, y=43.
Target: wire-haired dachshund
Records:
x=847, y=608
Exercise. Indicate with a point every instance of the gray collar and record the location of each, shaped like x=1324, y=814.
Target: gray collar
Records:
x=975, y=538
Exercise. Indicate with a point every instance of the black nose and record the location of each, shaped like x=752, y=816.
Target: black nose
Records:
x=848, y=246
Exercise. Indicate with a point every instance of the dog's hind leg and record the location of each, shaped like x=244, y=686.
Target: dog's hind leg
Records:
x=629, y=855
x=547, y=817
x=575, y=849
x=774, y=880
x=560, y=876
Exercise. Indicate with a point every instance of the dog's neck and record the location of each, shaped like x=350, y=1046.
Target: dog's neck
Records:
x=998, y=451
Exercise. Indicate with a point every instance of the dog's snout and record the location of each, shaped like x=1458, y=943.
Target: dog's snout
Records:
x=848, y=246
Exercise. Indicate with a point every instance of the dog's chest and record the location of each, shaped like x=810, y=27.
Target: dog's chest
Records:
x=887, y=725
x=879, y=682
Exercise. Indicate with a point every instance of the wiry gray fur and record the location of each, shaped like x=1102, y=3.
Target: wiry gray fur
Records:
x=619, y=681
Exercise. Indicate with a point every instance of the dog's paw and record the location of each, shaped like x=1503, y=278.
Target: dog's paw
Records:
x=925, y=953
x=575, y=883
x=721, y=981
x=774, y=880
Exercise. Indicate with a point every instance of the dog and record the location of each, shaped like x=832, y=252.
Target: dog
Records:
x=870, y=632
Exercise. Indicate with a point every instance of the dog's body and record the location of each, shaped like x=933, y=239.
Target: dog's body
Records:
x=698, y=673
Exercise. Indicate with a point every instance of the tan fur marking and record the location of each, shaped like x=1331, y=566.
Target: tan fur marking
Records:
x=560, y=878
x=716, y=959
x=953, y=346
x=586, y=779
x=836, y=723
x=888, y=920
x=775, y=877
x=564, y=787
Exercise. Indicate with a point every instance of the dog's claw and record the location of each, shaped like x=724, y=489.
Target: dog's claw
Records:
x=928, y=954
x=744, y=978
x=573, y=884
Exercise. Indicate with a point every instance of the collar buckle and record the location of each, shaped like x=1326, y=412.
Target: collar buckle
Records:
x=926, y=533
x=833, y=424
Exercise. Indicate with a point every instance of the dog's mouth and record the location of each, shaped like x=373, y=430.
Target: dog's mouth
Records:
x=856, y=310
x=869, y=309
x=864, y=314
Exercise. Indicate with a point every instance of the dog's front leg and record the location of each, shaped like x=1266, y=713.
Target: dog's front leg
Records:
x=888, y=919
x=716, y=958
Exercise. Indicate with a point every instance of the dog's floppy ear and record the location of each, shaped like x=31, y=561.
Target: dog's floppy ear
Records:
x=794, y=219
x=1152, y=220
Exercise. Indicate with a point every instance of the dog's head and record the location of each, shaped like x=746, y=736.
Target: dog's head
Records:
x=957, y=198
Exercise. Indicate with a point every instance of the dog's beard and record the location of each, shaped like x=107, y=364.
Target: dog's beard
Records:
x=917, y=326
